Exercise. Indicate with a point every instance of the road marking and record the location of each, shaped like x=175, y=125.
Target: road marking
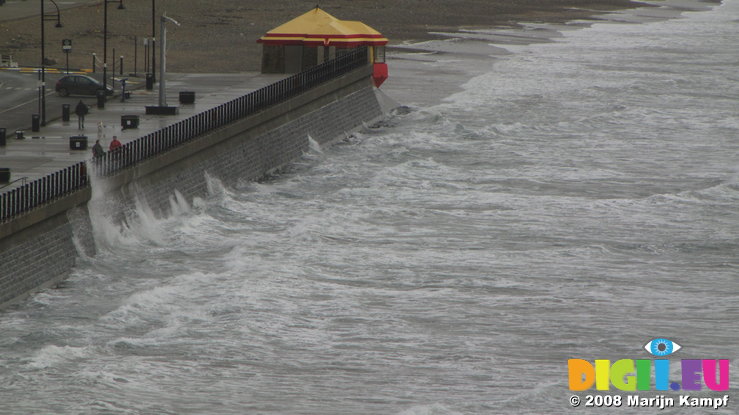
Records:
x=17, y=88
x=25, y=103
x=47, y=70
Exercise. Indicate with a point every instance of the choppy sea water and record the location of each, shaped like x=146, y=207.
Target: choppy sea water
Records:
x=575, y=201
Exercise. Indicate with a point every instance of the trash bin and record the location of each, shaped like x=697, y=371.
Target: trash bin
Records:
x=100, y=95
x=2, y=137
x=129, y=121
x=35, y=122
x=78, y=142
x=149, y=81
x=4, y=174
x=65, y=112
x=19, y=135
x=187, y=97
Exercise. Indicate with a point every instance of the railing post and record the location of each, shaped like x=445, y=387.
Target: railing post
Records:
x=36, y=192
x=24, y=197
x=27, y=196
x=31, y=195
x=54, y=185
x=65, y=172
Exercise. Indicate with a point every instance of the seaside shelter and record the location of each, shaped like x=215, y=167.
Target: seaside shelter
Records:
x=315, y=37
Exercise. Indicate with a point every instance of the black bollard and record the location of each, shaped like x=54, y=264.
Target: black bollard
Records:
x=100, y=94
x=65, y=112
x=4, y=175
x=35, y=122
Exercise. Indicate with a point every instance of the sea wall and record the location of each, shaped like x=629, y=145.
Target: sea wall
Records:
x=40, y=248
x=250, y=148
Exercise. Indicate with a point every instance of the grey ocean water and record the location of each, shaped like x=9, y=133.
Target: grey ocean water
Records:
x=576, y=200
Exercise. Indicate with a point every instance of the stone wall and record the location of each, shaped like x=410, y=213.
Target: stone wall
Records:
x=41, y=255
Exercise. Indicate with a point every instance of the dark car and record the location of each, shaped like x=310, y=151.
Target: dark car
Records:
x=79, y=85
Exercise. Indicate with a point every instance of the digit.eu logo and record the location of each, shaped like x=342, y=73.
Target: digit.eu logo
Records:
x=633, y=375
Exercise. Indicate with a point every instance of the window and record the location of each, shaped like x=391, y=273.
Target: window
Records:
x=379, y=54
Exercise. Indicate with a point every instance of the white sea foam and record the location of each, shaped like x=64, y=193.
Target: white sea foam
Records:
x=434, y=409
x=314, y=146
x=53, y=355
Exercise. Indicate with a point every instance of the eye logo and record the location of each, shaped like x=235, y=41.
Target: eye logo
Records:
x=662, y=347
x=650, y=374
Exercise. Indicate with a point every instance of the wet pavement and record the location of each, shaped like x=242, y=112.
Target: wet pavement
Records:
x=48, y=150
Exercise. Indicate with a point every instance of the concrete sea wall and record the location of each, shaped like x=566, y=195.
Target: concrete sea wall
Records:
x=39, y=249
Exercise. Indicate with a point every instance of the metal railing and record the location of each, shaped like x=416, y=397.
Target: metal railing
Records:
x=23, y=181
x=44, y=190
x=38, y=192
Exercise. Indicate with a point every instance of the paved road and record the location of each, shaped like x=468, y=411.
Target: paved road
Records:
x=15, y=89
x=18, y=9
x=19, y=99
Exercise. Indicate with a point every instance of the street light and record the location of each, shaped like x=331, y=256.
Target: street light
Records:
x=153, y=41
x=42, y=74
x=105, y=40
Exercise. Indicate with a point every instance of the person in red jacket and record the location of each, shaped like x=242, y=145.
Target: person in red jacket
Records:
x=115, y=144
x=116, y=150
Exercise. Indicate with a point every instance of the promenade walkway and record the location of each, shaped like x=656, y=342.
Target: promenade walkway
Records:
x=48, y=150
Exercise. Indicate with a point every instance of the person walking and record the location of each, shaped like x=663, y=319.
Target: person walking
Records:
x=81, y=110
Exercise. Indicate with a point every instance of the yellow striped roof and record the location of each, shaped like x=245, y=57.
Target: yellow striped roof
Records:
x=319, y=26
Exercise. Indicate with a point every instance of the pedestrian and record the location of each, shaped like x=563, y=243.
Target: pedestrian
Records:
x=81, y=110
x=116, y=150
x=97, y=150
x=101, y=131
x=115, y=144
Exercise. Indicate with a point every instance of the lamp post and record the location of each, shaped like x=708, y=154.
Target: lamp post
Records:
x=163, y=60
x=163, y=108
x=42, y=72
x=105, y=41
x=153, y=41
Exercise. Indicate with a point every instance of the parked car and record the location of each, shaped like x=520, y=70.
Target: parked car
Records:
x=79, y=85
